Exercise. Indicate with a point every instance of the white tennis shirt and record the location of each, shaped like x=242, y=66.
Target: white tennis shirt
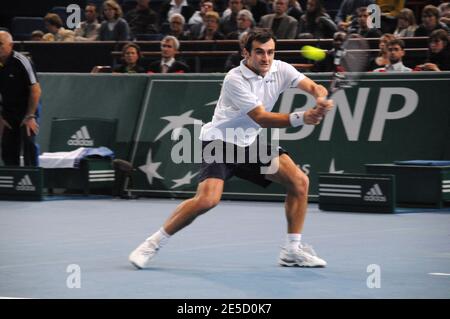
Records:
x=241, y=92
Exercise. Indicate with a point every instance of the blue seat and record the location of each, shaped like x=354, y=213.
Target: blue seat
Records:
x=22, y=27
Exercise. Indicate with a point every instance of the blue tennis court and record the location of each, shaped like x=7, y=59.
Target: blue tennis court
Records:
x=231, y=252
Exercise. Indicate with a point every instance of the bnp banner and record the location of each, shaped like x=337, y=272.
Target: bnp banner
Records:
x=386, y=118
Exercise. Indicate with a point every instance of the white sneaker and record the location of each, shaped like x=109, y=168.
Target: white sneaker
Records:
x=304, y=256
x=143, y=254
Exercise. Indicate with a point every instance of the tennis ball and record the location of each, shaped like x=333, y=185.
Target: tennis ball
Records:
x=313, y=53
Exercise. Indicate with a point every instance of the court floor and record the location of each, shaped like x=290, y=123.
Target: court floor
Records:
x=78, y=248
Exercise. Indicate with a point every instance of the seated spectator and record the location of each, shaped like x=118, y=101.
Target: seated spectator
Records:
x=327, y=64
x=444, y=13
x=234, y=59
x=295, y=9
x=88, y=29
x=114, y=28
x=316, y=21
x=347, y=16
x=37, y=35
x=197, y=17
x=406, y=24
x=228, y=23
x=282, y=25
x=396, y=52
x=131, y=55
x=211, y=27
x=54, y=25
x=142, y=19
x=363, y=28
x=168, y=64
x=390, y=9
x=258, y=8
x=245, y=23
x=430, y=22
x=438, y=54
x=175, y=6
x=176, y=25
x=382, y=58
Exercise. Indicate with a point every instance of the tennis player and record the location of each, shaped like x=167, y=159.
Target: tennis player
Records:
x=248, y=95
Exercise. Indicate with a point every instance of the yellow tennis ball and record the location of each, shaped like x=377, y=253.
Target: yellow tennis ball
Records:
x=313, y=53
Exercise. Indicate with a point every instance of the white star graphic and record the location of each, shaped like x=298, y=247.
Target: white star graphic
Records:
x=333, y=168
x=150, y=168
x=185, y=180
x=176, y=123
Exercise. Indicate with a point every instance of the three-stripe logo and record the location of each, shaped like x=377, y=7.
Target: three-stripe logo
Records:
x=81, y=138
x=375, y=194
x=25, y=184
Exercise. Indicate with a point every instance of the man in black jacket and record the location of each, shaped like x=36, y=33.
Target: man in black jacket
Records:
x=168, y=64
x=20, y=93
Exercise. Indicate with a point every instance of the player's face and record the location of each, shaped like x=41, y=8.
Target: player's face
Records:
x=261, y=57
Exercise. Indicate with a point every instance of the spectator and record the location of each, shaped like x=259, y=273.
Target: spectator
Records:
x=316, y=21
x=142, y=19
x=20, y=92
x=257, y=7
x=168, y=64
x=396, y=52
x=295, y=9
x=390, y=9
x=88, y=30
x=211, y=27
x=444, y=13
x=245, y=23
x=430, y=22
x=282, y=25
x=37, y=35
x=131, y=54
x=382, y=58
x=197, y=17
x=234, y=59
x=114, y=28
x=327, y=64
x=363, y=28
x=176, y=25
x=175, y=6
x=228, y=22
x=347, y=13
x=438, y=54
x=406, y=23
x=54, y=25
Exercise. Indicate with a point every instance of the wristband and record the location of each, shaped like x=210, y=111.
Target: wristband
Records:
x=31, y=116
x=296, y=119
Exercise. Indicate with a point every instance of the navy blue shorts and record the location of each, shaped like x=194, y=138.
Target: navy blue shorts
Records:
x=218, y=161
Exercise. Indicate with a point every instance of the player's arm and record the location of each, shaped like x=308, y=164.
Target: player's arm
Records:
x=277, y=120
x=33, y=101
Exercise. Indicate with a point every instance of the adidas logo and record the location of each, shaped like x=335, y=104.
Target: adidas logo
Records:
x=375, y=194
x=81, y=138
x=25, y=184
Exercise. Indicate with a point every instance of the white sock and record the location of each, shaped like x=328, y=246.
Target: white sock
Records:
x=160, y=237
x=293, y=241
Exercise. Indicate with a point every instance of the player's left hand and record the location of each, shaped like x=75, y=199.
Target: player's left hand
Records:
x=31, y=126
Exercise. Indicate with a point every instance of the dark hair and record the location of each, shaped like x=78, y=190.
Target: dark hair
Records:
x=259, y=35
x=53, y=19
x=398, y=42
x=439, y=34
x=131, y=45
x=431, y=10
